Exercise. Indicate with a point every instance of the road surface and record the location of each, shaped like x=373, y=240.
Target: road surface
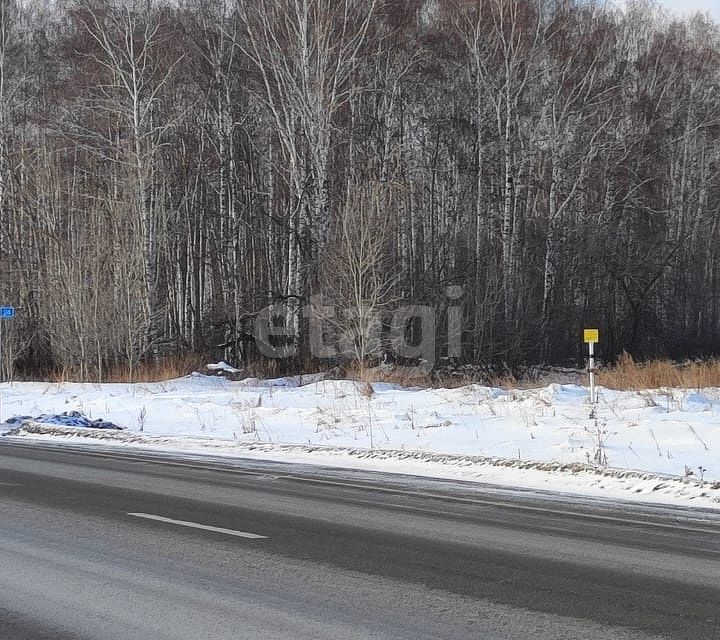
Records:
x=109, y=544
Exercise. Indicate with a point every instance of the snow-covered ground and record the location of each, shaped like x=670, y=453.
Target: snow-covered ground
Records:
x=639, y=446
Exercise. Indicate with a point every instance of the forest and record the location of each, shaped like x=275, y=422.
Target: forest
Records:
x=173, y=173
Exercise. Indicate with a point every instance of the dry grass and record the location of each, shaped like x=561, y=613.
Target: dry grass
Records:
x=414, y=377
x=630, y=375
x=505, y=381
x=626, y=374
x=152, y=371
x=263, y=369
x=157, y=371
x=406, y=377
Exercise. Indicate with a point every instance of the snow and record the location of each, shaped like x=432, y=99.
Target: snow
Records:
x=639, y=445
x=223, y=366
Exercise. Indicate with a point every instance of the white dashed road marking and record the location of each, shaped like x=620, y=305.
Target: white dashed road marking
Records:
x=195, y=525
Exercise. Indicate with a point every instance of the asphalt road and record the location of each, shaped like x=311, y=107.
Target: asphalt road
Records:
x=102, y=545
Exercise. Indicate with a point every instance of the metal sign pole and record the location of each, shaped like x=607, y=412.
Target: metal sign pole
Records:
x=590, y=337
x=593, y=395
x=6, y=313
x=2, y=368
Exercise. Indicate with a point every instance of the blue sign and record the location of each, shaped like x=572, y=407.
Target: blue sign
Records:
x=7, y=312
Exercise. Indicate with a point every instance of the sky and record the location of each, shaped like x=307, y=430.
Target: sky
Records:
x=689, y=6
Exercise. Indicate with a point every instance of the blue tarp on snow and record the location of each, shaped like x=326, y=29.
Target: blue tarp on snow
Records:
x=65, y=419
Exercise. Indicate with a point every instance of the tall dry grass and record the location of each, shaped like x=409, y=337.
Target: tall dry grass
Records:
x=413, y=377
x=392, y=375
x=166, y=368
x=627, y=374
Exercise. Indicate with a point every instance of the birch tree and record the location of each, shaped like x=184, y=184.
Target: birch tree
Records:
x=571, y=129
x=501, y=38
x=357, y=275
x=306, y=54
x=129, y=45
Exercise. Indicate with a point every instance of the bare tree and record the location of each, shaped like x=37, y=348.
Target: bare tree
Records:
x=571, y=130
x=502, y=38
x=306, y=54
x=129, y=45
x=357, y=275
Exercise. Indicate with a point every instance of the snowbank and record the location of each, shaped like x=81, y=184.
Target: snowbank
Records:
x=656, y=445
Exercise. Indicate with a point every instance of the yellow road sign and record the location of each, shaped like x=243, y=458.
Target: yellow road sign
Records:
x=591, y=335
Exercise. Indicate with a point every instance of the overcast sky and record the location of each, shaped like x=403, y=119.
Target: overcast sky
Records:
x=686, y=6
